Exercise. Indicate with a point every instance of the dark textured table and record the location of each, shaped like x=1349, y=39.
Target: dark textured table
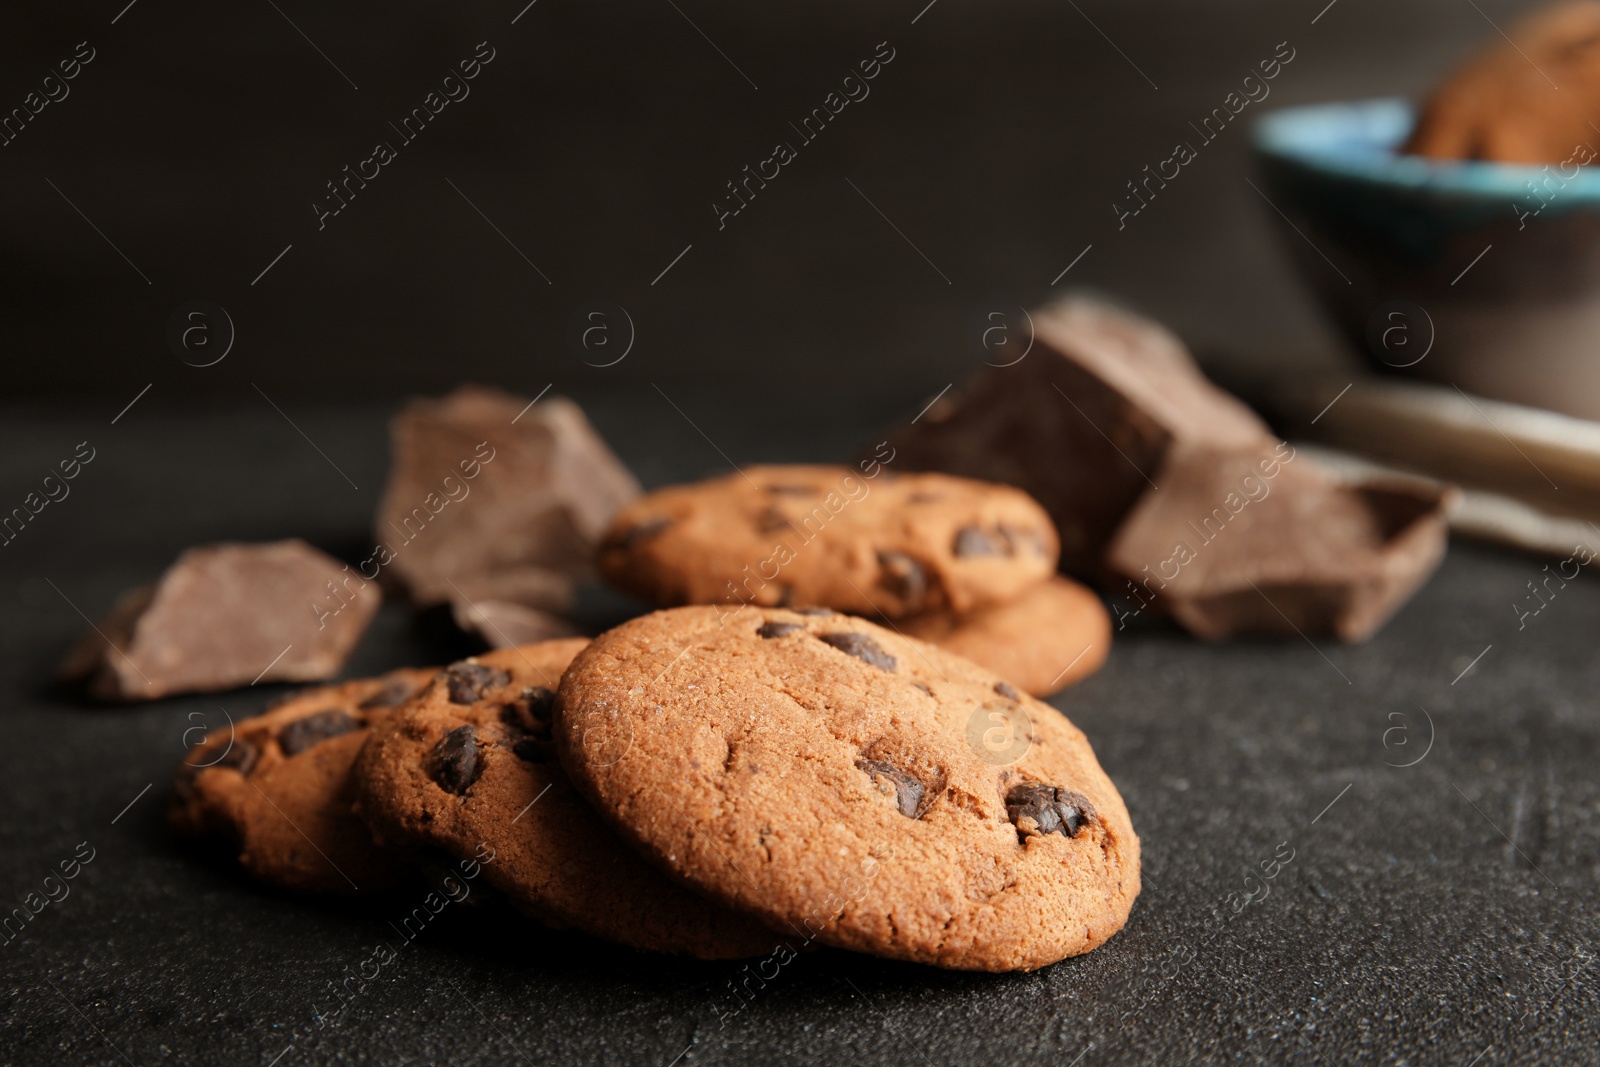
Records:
x=1308, y=897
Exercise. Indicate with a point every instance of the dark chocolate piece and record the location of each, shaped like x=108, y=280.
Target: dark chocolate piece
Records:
x=908, y=790
x=1037, y=809
x=224, y=616
x=299, y=735
x=861, y=647
x=454, y=762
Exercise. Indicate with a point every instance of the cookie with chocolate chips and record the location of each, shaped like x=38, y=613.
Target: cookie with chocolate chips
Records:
x=468, y=767
x=895, y=545
x=1050, y=637
x=850, y=786
x=278, y=784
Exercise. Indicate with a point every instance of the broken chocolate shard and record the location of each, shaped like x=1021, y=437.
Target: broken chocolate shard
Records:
x=319, y=726
x=505, y=624
x=1007, y=690
x=908, y=790
x=467, y=681
x=1263, y=542
x=1106, y=395
x=228, y=615
x=861, y=647
x=489, y=492
x=1037, y=809
x=454, y=762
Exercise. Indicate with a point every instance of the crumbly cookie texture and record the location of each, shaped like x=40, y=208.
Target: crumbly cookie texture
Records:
x=1052, y=636
x=850, y=785
x=467, y=767
x=889, y=544
x=279, y=785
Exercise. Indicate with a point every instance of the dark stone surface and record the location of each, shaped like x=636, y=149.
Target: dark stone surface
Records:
x=1430, y=914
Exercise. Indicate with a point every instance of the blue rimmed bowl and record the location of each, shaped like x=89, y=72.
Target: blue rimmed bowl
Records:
x=1486, y=275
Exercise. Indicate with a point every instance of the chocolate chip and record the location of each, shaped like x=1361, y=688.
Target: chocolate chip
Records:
x=770, y=520
x=454, y=762
x=468, y=681
x=862, y=648
x=971, y=541
x=640, y=531
x=240, y=755
x=924, y=498
x=792, y=490
x=1007, y=690
x=778, y=629
x=1038, y=809
x=903, y=577
x=907, y=790
x=924, y=687
x=531, y=712
x=812, y=611
x=1022, y=537
x=311, y=729
x=392, y=693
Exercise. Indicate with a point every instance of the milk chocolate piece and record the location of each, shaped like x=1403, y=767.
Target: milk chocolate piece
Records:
x=1083, y=423
x=490, y=493
x=226, y=615
x=1262, y=542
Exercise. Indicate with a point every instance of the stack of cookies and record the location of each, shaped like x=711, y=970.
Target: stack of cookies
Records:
x=967, y=565
x=711, y=781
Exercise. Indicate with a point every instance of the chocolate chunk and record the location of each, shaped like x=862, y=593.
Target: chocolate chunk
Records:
x=1007, y=690
x=813, y=611
x=532, y=711
x=639, y=532
x=468, y=681
x=505, y=624
x=454, y=762
x=1106, y=395
x=1038, y=809
x=486, y=490
x=924, y=687
x=907, y=789
x=778, y=629
x=240, y=756
x=308, y=730
x=971, y=541
x=791, y=490
x=1226, y=547
x=224, y=616
x=393, y=692
x=904, y=578
x=861, y=647
x=924, y=498
x=1022, y=539
x=770, y=520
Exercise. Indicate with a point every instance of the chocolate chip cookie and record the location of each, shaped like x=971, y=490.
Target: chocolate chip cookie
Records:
x=888, y=544
x=850, y=786
x=1043, y=641
x=279, y=785
x=468, y=767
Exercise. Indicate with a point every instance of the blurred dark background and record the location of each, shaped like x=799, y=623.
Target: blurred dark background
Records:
x=596, y=142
